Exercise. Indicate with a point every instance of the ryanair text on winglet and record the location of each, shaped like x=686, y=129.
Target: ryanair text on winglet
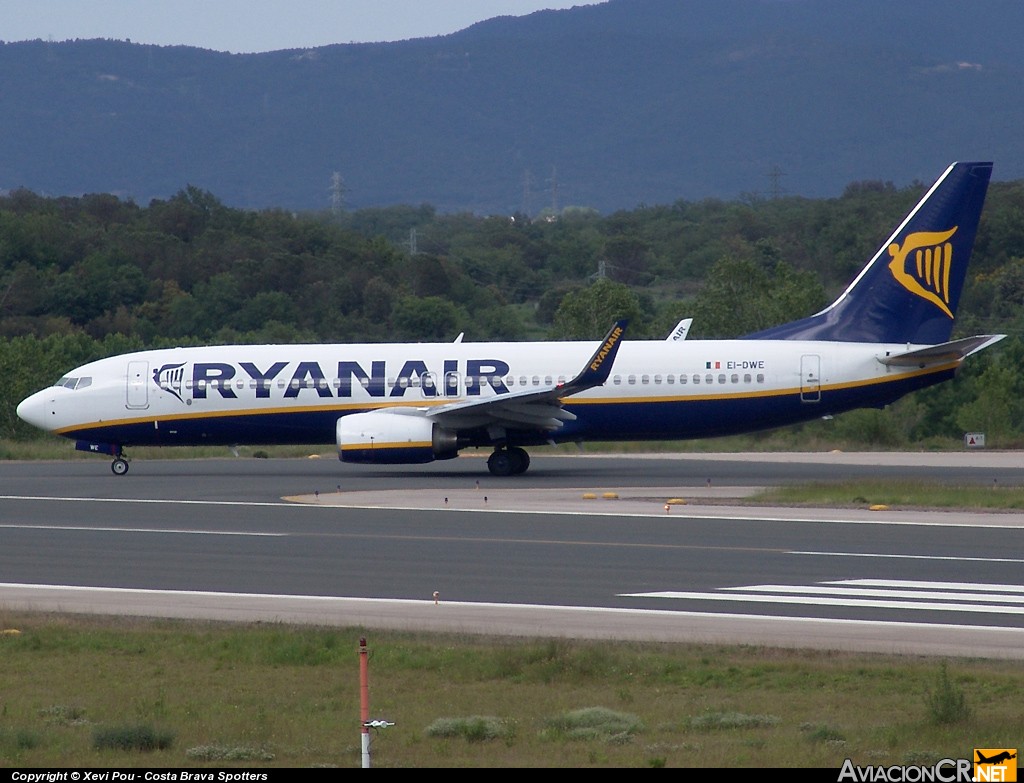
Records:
x=606, y=348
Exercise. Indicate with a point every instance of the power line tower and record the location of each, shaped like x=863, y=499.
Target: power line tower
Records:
x=411, y=244
x=774, y=175
x=337, y=191
x=527, y=186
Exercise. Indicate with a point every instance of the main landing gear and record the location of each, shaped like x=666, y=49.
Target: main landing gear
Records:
x=508, y=462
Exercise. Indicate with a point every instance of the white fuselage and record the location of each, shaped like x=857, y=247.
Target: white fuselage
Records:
x=295, y=393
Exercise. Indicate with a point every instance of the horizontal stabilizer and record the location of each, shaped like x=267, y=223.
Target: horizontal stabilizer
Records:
x=943, y=353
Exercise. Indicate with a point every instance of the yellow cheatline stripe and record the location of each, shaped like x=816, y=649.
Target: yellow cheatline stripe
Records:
x=426, y=444
x=743, y=395
x=368, y=406
x=227, y=414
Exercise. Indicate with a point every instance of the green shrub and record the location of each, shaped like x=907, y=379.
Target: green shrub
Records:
x=228, y=753
x=598, y=723
x=947, y=703
x=140, y=737
x=731, y=720
x=474, y=728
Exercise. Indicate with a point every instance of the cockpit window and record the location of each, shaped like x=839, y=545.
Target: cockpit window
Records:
x=69, y=382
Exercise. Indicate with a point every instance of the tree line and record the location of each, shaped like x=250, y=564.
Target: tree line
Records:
x=85, y=277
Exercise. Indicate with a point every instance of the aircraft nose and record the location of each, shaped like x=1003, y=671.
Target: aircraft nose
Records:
x=34, y=410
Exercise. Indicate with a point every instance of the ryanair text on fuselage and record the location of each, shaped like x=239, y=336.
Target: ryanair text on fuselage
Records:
x=292, y=378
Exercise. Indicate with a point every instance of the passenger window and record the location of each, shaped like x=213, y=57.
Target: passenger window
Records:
x=696, y=378
x=709, y=378
x=670, y=379
x=760, y=377
x=721, y=379
x=746, y=378
x=617, y=380
x=645, y=379
x=631, y=380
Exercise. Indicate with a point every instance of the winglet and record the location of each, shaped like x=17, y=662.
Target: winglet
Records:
x=599, y=367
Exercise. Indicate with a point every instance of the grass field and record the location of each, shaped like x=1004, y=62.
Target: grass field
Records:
x=101, y=692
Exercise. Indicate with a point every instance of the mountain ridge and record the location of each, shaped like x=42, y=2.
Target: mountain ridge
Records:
x=607, y=106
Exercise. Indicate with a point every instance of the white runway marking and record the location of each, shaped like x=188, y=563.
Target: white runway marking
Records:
x=486, y=606
x=869, y=593
x=88, y=529
x=911, y=583
x=913, y=557
x=149, y=501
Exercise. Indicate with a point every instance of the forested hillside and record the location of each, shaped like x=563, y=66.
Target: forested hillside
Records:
x=85, y=277
x=606, y=106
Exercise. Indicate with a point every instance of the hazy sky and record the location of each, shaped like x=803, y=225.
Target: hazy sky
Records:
x=253, y=25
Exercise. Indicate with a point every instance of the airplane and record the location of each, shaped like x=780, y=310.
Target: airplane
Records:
x=888, y=334
x=996, y=759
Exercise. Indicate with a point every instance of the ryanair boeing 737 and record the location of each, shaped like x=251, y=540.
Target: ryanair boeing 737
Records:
x=885, y=336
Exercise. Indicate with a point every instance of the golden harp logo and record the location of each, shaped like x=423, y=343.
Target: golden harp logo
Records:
x=929, y=256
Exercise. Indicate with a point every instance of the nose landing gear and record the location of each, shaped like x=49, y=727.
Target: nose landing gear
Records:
x=120, y=464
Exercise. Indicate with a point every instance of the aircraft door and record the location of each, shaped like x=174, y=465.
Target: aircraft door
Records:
x=810, y=378
x=428, y=386
x=452, y=384
x=138, y=385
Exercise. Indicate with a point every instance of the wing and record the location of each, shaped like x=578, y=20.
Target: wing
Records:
x=534, y=409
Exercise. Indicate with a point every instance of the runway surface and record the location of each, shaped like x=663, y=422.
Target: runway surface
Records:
x=593, y=547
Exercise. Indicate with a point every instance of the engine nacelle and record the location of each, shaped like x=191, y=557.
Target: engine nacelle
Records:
x=385, y=437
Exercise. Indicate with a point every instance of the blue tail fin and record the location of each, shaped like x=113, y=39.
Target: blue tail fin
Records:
x=909, y=291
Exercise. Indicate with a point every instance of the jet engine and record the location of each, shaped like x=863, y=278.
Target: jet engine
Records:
x=389, y=437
